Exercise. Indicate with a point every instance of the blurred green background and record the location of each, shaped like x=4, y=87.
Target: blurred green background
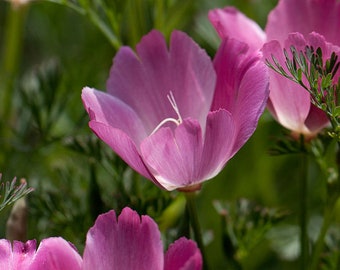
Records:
x=45, y=138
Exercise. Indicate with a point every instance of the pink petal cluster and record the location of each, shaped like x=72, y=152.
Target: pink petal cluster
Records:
x=172, y=114
x=129, y=242
x=291, y=22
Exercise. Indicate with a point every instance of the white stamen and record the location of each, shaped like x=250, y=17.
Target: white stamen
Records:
x=173, y=103
x=178, y=121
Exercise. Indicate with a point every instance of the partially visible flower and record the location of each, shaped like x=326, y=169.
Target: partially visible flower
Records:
x=231, y=23
x=298, y=114
x=305, y=16
x=134, y=242
x=53, y=254
x=123, y=243
x=163, y=116
x=289, y=16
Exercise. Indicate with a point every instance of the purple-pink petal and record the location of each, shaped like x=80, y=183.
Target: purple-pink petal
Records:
x=174, y=157
x=316, y=119
x=241, y=88
x=23, y=254
x=219, y=141
x=55, y=253
x=117, y=125
x=289, y=102
x=145, y=78
x=231, y=23
x=183, y=254
x=131, y=242
x=17, y=257
x=186, y=156
x=304, y=16
x=107, y=109
x=5, y=255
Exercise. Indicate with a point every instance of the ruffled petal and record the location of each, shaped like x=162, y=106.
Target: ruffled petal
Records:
x=110, y=111
x=183, y=254
x=55, y=253
x=132, y=242
x=174, y=157
x=241, y=88
x=231, y=23
x=305, y=16
x=144, y=80
x=116, y=124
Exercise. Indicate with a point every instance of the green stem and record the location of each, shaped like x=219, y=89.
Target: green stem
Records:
x=105, y=29
x=328, y=214
x=11, y=55
x=86, y=10
x=333, y=194
x=192, y=209
x=304, y=212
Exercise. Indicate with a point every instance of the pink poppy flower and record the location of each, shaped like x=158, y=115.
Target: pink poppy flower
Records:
x=161, y=113
x=53, y=254
x=129, y=242
x=294, y=112
x=134, y=242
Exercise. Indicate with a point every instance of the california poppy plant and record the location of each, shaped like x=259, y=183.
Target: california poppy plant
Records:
x=292, y=108
x=161, y=112
x=123, y=243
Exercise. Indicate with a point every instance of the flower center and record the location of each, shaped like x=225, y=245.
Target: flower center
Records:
x=178, y=121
